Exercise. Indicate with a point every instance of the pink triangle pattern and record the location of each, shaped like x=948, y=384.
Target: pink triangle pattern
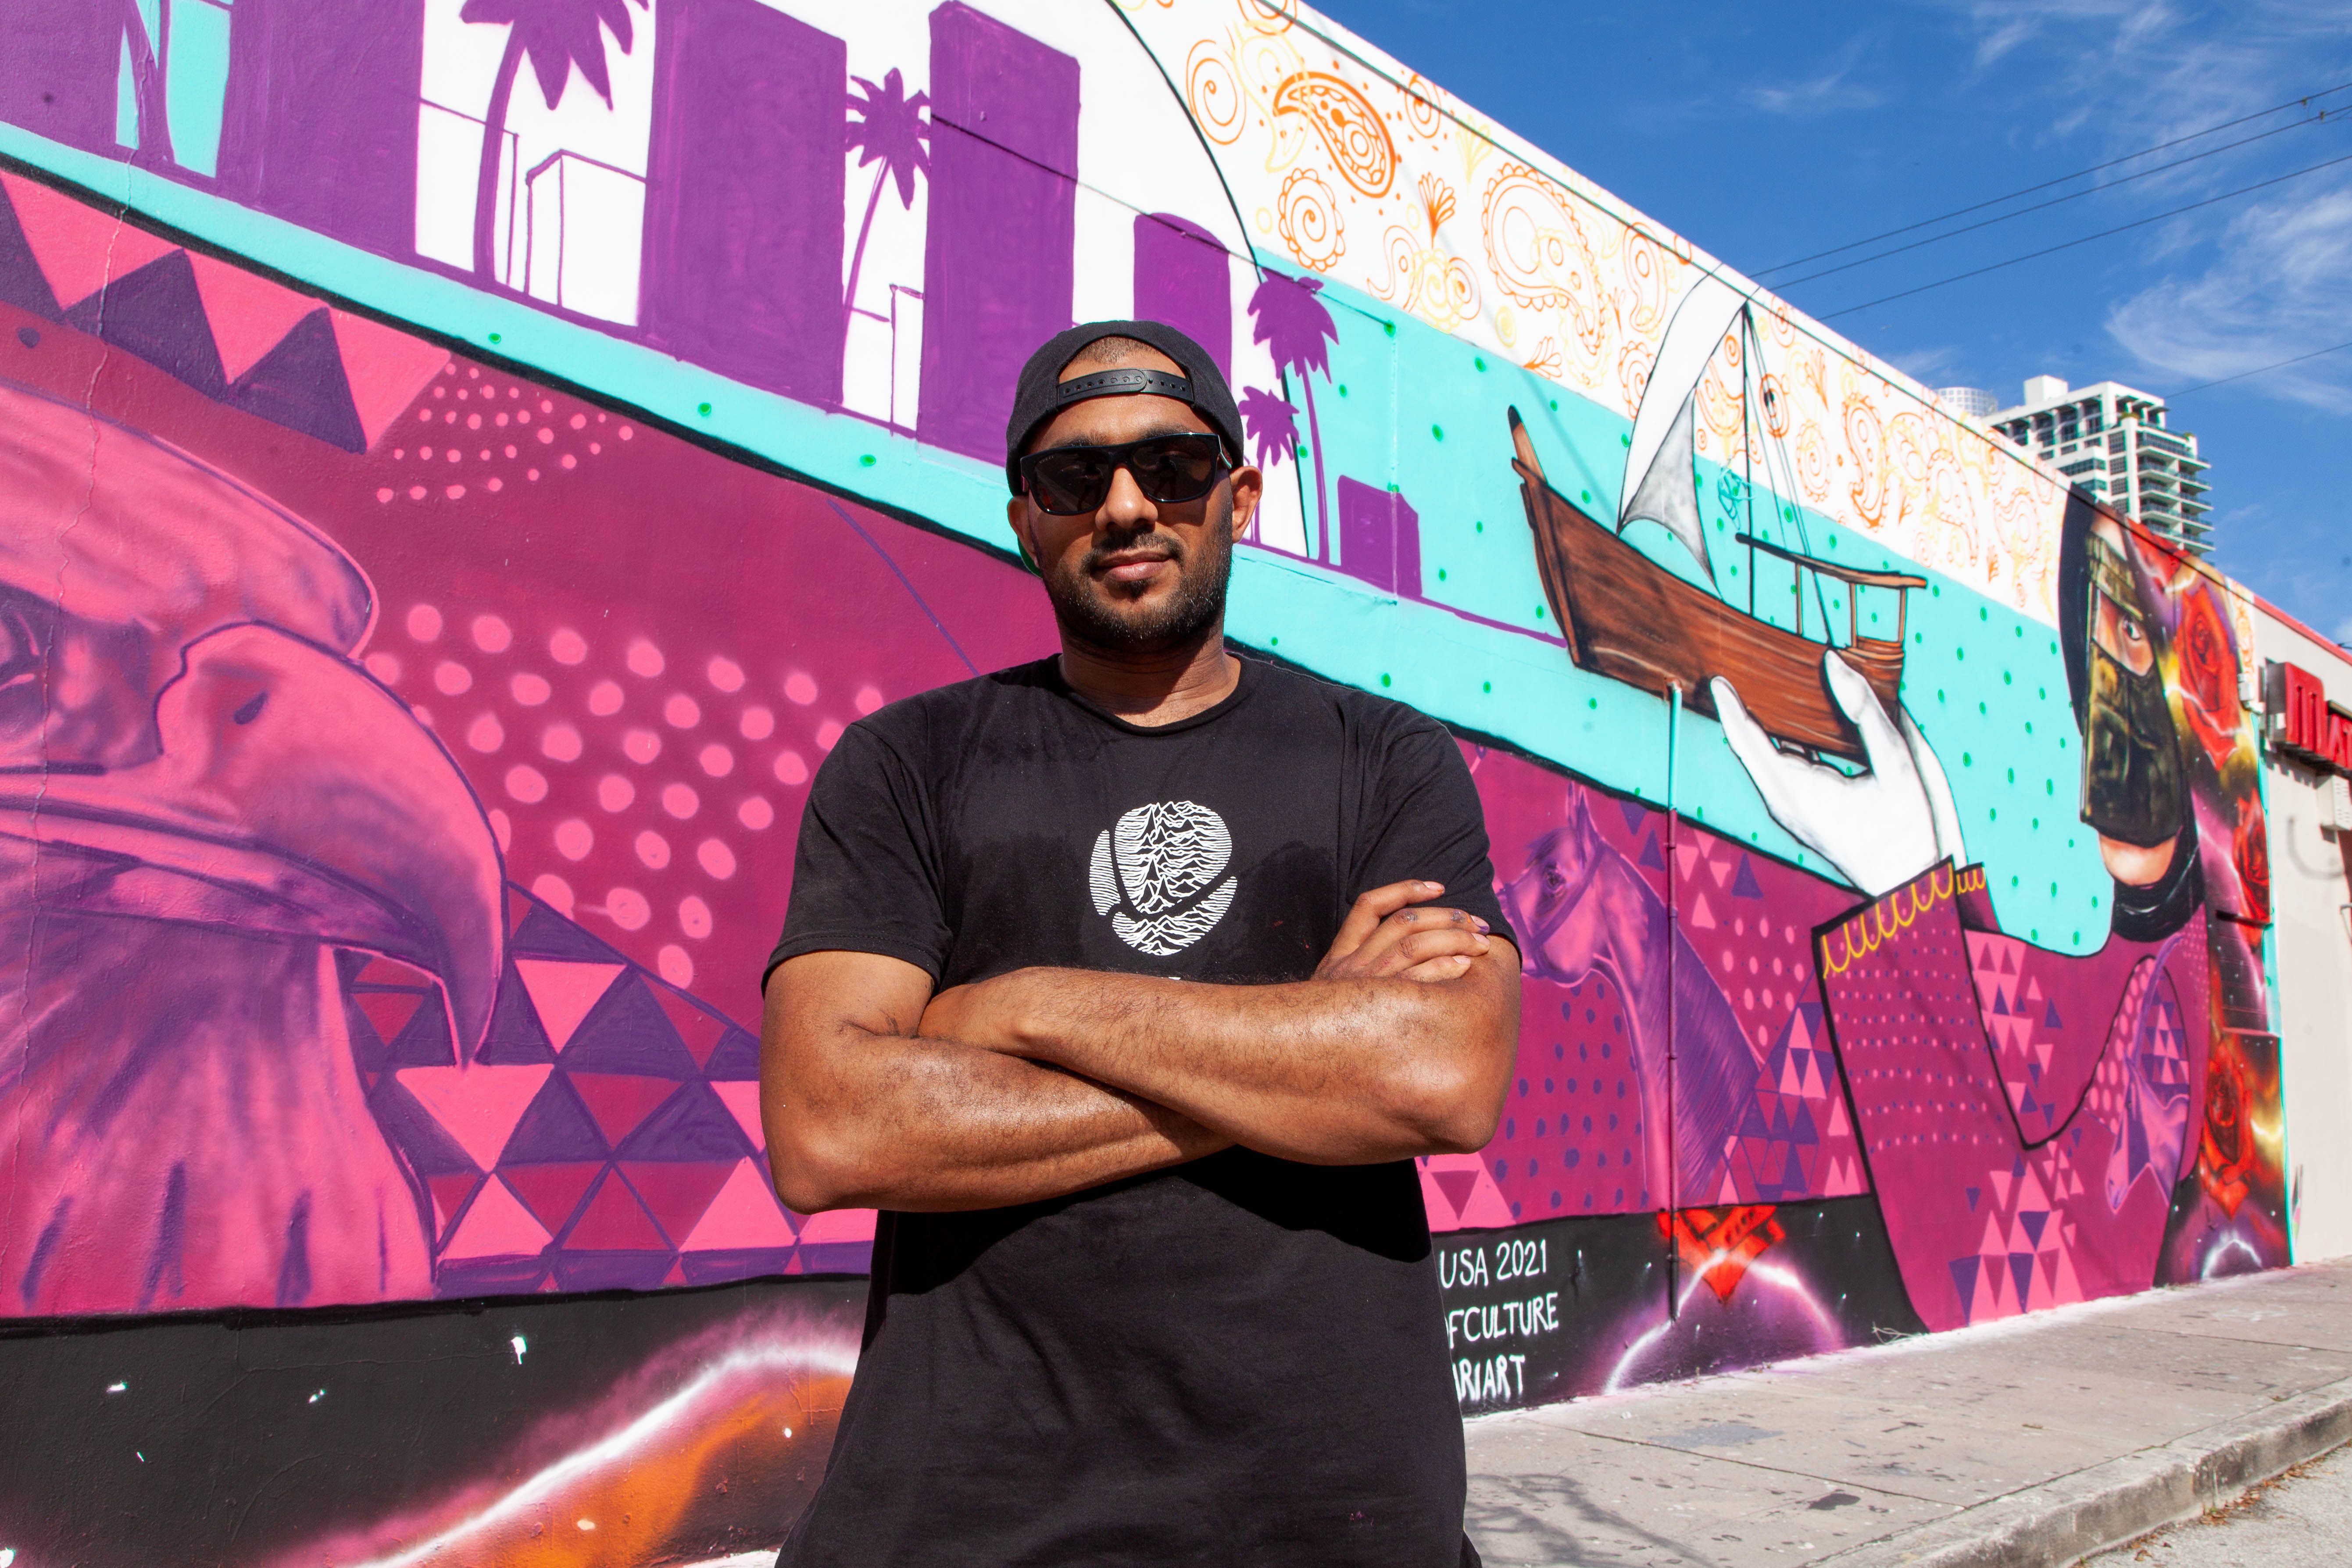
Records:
x=477, y=1106
x=745, y=1215
x=78, y=249
x=743, y=1102
x=385, y=367
x=563, y=993
x=498, y=1226
x=249, y=315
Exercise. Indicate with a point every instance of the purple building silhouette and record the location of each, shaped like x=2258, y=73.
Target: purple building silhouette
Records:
x=1380, y=538
x=1183, y=278
x=1003, y=221
x=320, y=126
x=743, y=210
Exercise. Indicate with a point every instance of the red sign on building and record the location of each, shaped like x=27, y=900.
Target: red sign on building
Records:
x=2305, y=723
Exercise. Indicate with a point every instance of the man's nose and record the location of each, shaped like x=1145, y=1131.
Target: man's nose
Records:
x=1126, y=506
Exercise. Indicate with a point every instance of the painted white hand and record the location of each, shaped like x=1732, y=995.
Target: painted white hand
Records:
x=1880, y=828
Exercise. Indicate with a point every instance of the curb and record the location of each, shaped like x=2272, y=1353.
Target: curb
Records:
x=2063, y=1521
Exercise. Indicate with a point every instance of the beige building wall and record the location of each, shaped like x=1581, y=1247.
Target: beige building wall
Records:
x=2311, y=958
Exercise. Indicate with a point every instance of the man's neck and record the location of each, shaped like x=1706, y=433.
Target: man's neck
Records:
x=1157, y=687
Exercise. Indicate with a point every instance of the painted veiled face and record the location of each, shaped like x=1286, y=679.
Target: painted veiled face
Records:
x=2134, y=795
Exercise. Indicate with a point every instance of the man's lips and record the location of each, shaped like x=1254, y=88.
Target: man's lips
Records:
x=1132, y=568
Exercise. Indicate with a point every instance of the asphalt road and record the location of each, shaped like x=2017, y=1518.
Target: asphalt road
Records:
x=2302, y=1519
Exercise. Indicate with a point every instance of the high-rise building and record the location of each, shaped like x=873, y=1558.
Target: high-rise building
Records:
x=2111, y=440
x=1971, y=402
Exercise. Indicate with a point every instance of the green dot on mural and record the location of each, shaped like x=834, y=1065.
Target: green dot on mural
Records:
x=1980, y=708
x=1967, y=760
x=1389, y=327
x=2005, y=680
x=1935, y=590
x=1593, y=703
x=2035, y=934
x=1274, y=642
x=1939, y=694
x=2029, y=726
x=1587, y=495
x=2078, y=939
x=1992, y=813
x=2037, y=827
x=2095, y=901
x=2050, y=787
x=2020, y=632
x=1437, y=433
x=1984, y=613
x=496, y=338
x=1384, y=679
x=1833, y=541
x=1441, y=574
x=1625, y=439
x=1479, y=526
x=2013, y=881
x=2054, y=889
x=2012, y=775
x=1343, y=389
x=1486, y=686
x=1554, y=408
x=1539, y=611
x=703, y=409
x=1961, y=654
x=1478, y=361
x=865, y=460
x=1918, y=636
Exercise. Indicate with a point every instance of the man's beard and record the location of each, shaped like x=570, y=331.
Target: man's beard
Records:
x=1090, y=612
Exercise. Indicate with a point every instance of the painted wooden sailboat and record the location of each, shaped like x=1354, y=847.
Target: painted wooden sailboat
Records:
x=1629, y=618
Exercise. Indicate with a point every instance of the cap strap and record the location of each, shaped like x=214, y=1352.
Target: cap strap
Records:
x=1113, y=383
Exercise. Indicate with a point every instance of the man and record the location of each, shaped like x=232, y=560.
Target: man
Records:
x=1114, y=981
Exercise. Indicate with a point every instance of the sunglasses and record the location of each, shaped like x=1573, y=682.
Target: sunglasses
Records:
x=1071, y=481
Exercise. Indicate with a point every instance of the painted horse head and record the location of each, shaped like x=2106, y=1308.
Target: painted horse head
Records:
x=1558, y=904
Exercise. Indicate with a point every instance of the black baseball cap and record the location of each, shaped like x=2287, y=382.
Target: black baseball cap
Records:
x=1042, y=394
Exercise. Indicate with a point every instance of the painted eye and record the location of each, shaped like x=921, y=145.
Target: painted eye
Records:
x=1552, y=879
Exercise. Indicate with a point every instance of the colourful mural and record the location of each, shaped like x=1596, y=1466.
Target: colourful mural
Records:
x=467, y=461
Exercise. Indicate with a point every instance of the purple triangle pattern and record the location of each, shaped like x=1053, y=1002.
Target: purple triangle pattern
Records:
x=627, y=1033
x=156, y=313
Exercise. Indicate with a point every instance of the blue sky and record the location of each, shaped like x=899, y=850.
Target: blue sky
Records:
x=1768, y=134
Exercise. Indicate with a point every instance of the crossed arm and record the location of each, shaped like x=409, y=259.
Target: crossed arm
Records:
x=1045, y=1081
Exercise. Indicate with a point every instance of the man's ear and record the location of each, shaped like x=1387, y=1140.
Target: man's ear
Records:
x=1016, y=517
x=1249, y=488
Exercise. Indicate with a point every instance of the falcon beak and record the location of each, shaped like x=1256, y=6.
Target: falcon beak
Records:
x=293, y=797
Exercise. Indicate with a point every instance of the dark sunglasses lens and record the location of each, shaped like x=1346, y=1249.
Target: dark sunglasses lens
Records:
x=1175, y=467
x=1071, y=480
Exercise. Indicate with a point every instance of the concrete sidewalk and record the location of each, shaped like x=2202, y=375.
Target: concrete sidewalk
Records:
x=2032, y=1441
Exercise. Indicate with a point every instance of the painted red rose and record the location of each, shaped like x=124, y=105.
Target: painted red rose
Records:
x=2209, y=673
x=2250, y=850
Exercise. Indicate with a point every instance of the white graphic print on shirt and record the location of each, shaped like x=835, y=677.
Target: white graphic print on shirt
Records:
x=1152, y=875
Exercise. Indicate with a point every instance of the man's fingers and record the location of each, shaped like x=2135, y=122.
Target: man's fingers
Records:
x=1437, y=969
x=1368, y=910
x=1372, y=955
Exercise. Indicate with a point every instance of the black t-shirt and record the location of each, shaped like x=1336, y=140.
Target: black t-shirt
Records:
x=1241, y=1360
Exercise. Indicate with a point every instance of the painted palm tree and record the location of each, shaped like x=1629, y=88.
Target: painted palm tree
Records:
x=1271, y=423
x=1294, y=326
x=557, y=35
x=888, y=127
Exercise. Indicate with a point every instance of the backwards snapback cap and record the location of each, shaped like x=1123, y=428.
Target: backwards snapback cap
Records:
x=1042, y=394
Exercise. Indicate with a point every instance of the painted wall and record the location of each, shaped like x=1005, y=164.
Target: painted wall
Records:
x=464, y=476
x=2311, y=936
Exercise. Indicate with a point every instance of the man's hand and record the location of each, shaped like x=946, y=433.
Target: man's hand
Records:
x=1383, y=937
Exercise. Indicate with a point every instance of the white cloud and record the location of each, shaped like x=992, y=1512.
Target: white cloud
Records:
x=1833, y=90
x=2280, y=285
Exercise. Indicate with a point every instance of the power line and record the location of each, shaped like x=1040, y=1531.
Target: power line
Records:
x=2031, y=190
x=2056, y=201
x=2260, y=369
x=2085, y=239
